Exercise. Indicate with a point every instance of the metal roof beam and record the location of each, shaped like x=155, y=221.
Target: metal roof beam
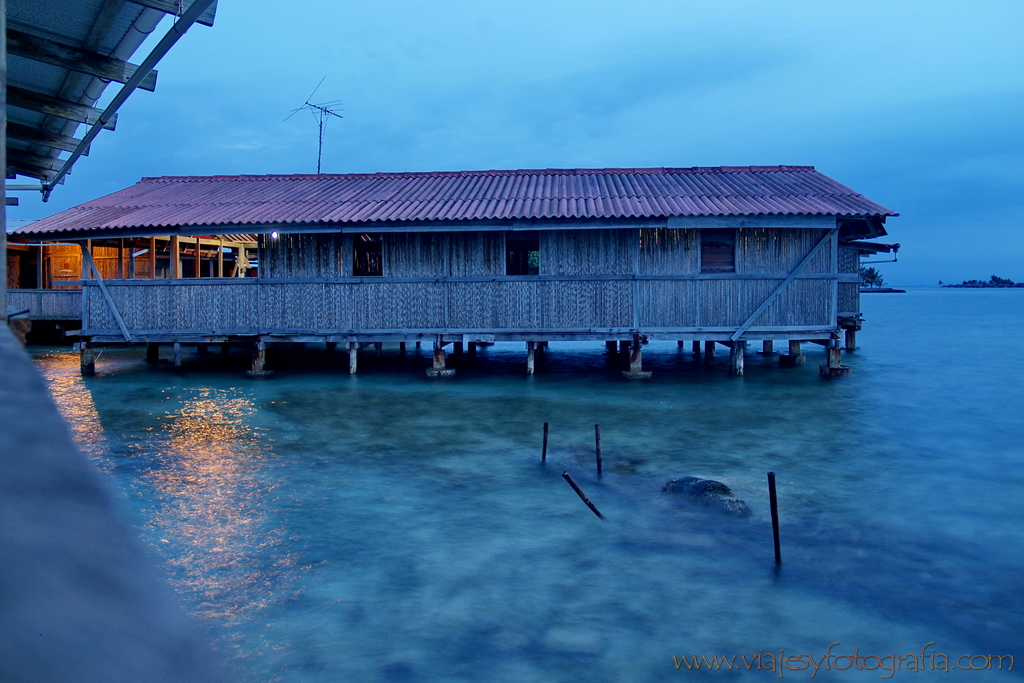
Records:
x=171, y=7
x=73, y=58
x=54, y=106
x=43, y=137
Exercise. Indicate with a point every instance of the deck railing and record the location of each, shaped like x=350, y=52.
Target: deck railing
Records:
x=506, y=306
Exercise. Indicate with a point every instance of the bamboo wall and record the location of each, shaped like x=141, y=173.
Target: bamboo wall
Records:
x=590, y=281
x=849, y=292
x=47, y=304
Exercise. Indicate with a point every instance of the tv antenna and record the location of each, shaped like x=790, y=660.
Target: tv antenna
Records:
x=321, y=113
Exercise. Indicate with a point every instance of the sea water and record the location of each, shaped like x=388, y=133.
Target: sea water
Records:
x=388, y=527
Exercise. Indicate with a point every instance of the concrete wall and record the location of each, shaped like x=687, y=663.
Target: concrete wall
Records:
x=78, y=599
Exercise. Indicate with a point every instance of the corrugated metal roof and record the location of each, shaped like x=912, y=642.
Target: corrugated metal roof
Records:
x=616, y=193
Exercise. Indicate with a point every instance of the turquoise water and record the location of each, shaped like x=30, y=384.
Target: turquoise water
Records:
x=392, y=528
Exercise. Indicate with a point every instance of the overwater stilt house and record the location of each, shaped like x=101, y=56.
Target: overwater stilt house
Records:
x=702, y=255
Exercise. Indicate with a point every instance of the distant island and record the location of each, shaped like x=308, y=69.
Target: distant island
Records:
x=871, y=282
x=994, y=281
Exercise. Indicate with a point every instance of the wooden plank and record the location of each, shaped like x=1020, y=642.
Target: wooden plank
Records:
x=53, y=106
x=74, y=58
x=106, y=295
x=43, y=137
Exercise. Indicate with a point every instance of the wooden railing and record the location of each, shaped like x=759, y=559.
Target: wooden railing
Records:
x=577, y=306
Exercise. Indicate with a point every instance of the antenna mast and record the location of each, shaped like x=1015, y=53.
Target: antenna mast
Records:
x=321, y=113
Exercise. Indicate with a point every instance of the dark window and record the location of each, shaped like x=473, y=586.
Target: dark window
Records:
x=522, y=253
x=367, y=255
x=718, y=251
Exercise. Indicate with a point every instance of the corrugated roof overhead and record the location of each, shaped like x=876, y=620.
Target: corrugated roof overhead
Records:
x=622, y=193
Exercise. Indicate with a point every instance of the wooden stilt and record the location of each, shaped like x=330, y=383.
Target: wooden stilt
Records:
x=851, y=339
x=773, y=505
x=87, y=359
x=457, y=348
x=439, y=368
x=378, y=349
x=834, y=366
x=636, y=370
x=610, y=346
x=259, y=361
x=544, y=448
x=767, y=347
x=736, y=353
x=695, y=347
x=353, y=357
x=471, y=348
x=794, y=358
x=418, y=345
x=331, y=346
x=401, y=348
x=152, y=353
x=680, y=343
x=531, y=351
x=623, y=347
x=709, y=351
x=177, y=357
x=597, y=448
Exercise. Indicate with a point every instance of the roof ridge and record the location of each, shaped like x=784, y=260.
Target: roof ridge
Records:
x=482, y=172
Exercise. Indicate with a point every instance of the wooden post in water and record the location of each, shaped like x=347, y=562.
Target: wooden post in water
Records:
x=152, y=352
x=87, y=359
x=531, y=355
x=736, y=352
x=544, y=448
x=439, y=368
x=401, y=348
x=695, y=347
x=795, y=357
x=767, y=347
x=177, y=357
x=624, y=347
x=378, y=349
x=609, y=346
x=353, y=357
x=583, y=496
x=773, y=502
x=597, y=448
x=709, y=351
x=851, y=338
x=259, y=360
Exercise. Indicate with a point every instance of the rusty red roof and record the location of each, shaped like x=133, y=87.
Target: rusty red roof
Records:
x=612, y=193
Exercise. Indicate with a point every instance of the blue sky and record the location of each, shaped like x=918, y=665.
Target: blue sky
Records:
x=917, y=105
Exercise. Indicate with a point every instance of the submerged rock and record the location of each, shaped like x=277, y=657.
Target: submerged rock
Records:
x=709, y=493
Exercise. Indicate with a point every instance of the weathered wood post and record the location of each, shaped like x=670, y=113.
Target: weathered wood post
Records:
x=709, y=351
x=259, y=360
x=457, y=348
x=177, y=358
x=471, y=348
x=695, y=347
x=544, y=448
x=378, y=349
x=767, y=347
x=680, y=343
x=773, y=503
x=401, y=348
x=623, y=347
x=583, y=496
x=353, y=357
x=834, y=365
x=794, y=358
x=609, y=346
x=152, y=352
x=736, y=352
x=87, y=359
x=851, y=338
x=531, y=352
x=439, y=369
x=597, y=448
x=331, y=346
x=636, y=369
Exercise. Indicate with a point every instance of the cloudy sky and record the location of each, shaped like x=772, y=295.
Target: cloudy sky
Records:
x=919, y=105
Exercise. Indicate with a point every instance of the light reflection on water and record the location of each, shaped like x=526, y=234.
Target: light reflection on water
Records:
x=391, y=528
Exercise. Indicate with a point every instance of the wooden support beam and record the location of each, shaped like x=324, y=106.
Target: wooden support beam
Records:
x=152, y=353
x=152, y=258
x=636, y=369
x=54, y=106
x=695, y=347
x=794, y=358
x=767, y=347
x=175, y=257
x=851, y=339
x=439, y=368
x=610, y=346
x=531, y=352
x=177, y=358
x=709, y=351
x=74, y=58
x=353, y=357
x=259, y=360
x=736, y=352
x=220, y=258
x=44, y=138
x=87, y=359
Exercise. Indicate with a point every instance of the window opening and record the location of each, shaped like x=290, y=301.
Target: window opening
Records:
x=367, y=256
x=718, y=251
x=522, y=253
